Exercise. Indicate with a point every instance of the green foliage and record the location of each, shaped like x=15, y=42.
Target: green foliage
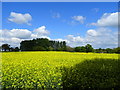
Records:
x=42, y=44
x=116, y=50
x=77, y=49
x=5, y=47
x=69, y=49
x=89, y=48
x=39, y=48
x=108, y=50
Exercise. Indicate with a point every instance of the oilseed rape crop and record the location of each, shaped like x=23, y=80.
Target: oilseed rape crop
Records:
x=45, y=70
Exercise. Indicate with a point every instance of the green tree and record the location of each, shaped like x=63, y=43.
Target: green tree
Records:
x=16, y=49
x=116, y=50
x=108, y=50
x=42, y=44
x=39, y=48
x=77, y=49
x=5, y=47
x=50, y=48
x=69, y=49
x=82, y=49
x=88, y=48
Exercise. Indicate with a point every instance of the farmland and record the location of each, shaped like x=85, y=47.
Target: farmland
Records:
x=44, y=70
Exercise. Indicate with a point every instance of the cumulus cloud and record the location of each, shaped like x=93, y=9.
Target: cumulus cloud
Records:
x=41, y=31
x=79, y=19
x=21, y=33
x=92, y=32
x=98, y=38
x=107, y=20
x=74, y=40
x=20, y=18
x=17, y=33
x=101, y=37
x=15, y=36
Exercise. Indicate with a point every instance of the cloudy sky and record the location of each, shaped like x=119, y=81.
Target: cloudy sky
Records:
x=76, y=23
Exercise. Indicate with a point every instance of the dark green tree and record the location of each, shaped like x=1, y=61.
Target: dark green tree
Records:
x=42, y=44
x=116, y=50
x=69, y=49
x=88, y=48
x=108, y=50
x=82, y=49
x=5, y=47
x=16, y=49
x=77, y=49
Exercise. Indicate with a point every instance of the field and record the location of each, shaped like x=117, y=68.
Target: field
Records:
x=59, y=70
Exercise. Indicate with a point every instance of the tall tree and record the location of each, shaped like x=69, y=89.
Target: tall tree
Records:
x=77, y=49
x=89, y=48
x=41, y=44
x=5, y=47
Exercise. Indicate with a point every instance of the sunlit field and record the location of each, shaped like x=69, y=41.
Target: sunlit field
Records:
x=45, y=70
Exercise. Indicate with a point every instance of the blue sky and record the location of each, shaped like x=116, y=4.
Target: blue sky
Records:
x=60, y=19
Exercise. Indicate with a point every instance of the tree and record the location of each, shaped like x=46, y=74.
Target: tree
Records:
x=77, y=49
x=50, y=48
x=16, y=49
x=39, y=48
x=42, y=44
x=64, y=46
x=5, y=47
x=88, y=48
x=82, y=49
x=108, y=50
x=27, y=45
x=116, y=50
x=69, y=49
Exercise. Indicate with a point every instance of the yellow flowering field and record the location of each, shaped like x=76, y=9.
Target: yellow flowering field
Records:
x=41, y=70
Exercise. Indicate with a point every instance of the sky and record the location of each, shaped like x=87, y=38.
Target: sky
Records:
x=77, y=23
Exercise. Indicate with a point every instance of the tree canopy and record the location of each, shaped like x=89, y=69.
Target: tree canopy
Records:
x=42, y=44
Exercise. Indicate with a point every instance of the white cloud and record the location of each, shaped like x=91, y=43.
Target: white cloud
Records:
x=20, y=18
x=99, y=38
x=74, y=40
x=108, y=20
x=79, y=19
x=15, y=36
x=21, y=33
x=41, y=31
x=92, y=32
x=59, y=39
x=14, y=41
x=17, y=33
x=11, y=41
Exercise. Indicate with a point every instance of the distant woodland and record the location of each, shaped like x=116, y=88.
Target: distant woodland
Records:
x=44, y=44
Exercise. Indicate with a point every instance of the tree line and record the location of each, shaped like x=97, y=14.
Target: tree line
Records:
x=43, y=44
